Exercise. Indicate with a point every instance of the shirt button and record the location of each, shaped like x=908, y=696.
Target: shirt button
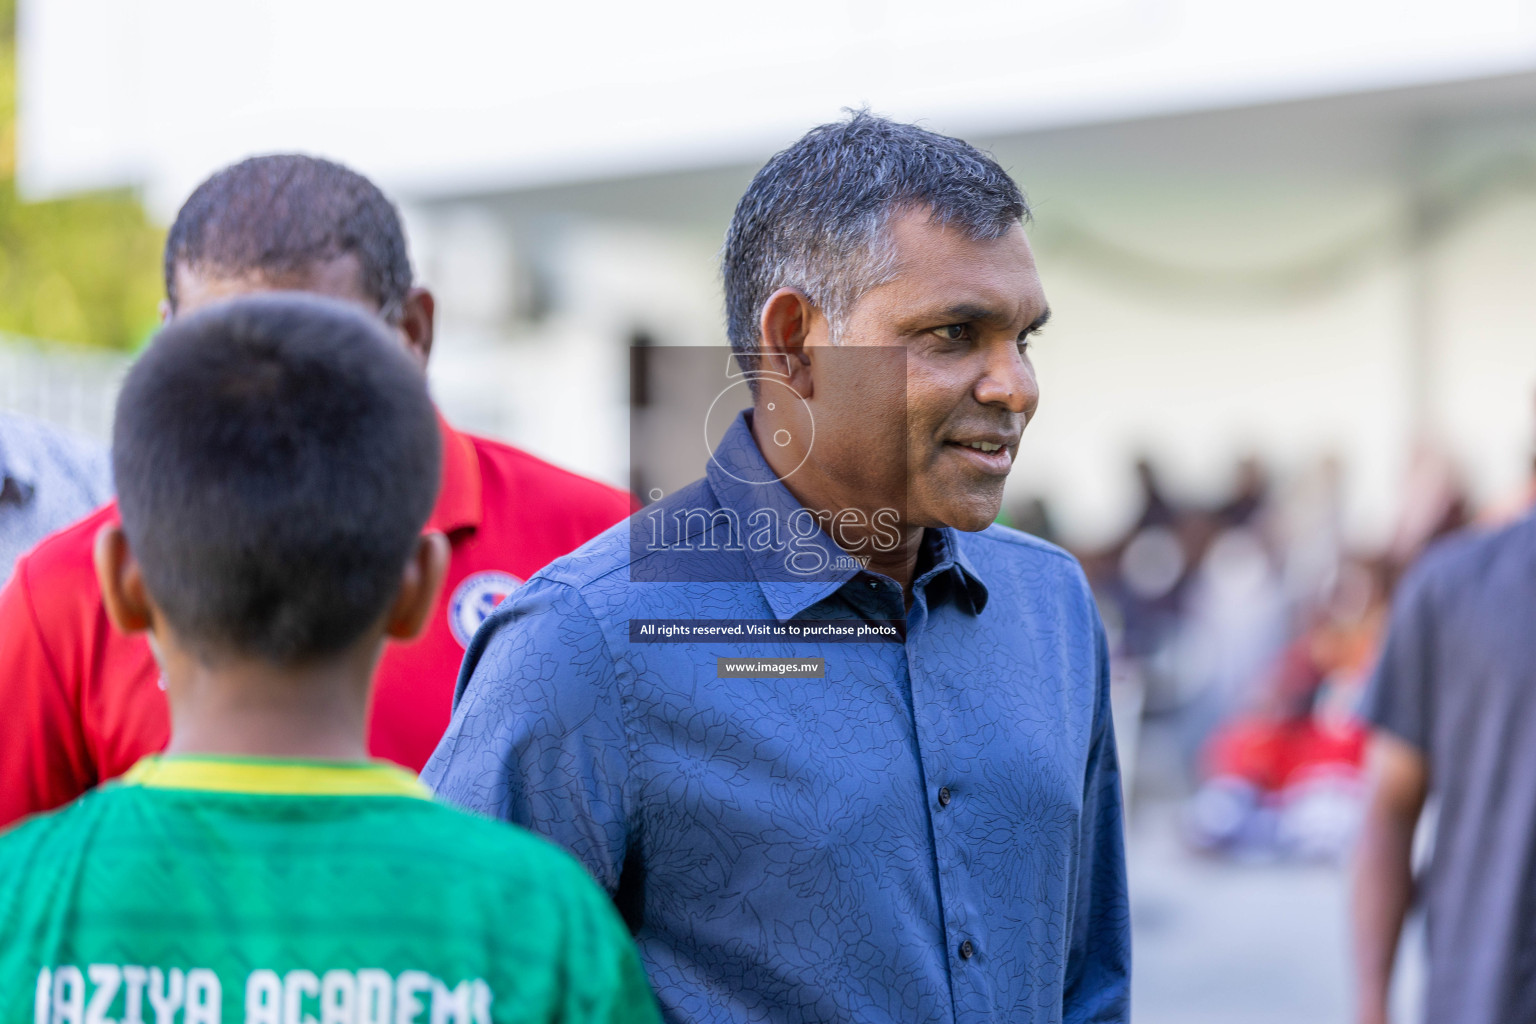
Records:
x=967, y=950
x=944, y=796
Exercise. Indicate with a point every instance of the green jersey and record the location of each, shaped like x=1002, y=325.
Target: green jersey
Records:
x=220, y=890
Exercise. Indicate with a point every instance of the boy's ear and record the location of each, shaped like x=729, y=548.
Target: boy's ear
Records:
x=121, y=581
x=420, y=583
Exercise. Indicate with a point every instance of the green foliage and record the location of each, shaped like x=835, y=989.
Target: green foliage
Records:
x=84, y=269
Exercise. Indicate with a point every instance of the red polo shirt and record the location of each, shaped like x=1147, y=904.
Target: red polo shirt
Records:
x=80, y=703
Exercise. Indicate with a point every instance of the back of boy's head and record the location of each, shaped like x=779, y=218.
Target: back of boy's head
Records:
x=276, y=458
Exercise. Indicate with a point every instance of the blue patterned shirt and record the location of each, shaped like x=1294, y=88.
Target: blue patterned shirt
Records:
x=930, y=831
x=47, y=481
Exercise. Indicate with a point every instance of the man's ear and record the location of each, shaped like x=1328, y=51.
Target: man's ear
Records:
x=420, y=583
x=165, y=311
x=121, y=582
x=787, y=322
x=416, y=322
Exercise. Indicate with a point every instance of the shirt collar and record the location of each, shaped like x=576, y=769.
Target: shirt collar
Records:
x=274, y=776
x=947, y=557
x=742, y=481
x=792, y=577
x=459, y=499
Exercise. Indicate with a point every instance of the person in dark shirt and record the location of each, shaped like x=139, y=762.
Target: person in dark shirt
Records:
x=1453, y=711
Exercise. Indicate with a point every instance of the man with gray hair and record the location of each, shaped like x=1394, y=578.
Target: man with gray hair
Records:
x=839, y=746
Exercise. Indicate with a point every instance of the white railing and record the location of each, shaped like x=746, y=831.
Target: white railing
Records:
x=67, y=385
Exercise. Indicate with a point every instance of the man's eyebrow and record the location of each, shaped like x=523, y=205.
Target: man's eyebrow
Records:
x=1038, y=322
x=965, y=312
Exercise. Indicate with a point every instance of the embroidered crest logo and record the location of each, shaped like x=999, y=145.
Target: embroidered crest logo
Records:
x=474, y=599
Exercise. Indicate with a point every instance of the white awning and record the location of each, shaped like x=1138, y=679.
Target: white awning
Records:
x=474, y=95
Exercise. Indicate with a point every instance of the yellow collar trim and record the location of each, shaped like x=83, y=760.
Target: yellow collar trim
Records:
x=275, y=777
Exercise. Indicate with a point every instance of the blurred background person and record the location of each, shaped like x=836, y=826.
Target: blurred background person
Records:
x=48, y=479
x=1280, y=774
x=1453, y=721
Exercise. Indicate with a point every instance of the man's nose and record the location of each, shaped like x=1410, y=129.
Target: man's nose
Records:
x=1009, y=381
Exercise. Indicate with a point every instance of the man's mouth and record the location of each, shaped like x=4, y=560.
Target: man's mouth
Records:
x=990, y=456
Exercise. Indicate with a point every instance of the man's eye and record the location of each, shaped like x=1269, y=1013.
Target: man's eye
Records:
x=953, y=332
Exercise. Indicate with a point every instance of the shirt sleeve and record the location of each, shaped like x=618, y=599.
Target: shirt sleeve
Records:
x=1398, y=696
x=44, y=760
x=1098, y=976
x=537, y=736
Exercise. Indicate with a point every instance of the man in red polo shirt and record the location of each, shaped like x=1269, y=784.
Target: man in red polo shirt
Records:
x=79, y=702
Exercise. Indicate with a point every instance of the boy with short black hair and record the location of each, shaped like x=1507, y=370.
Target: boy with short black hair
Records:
x=278, y=458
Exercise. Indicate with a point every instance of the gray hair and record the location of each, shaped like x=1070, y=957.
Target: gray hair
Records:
x=817, y=216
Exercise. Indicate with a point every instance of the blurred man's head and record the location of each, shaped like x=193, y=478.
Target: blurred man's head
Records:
x=866, y=234
x=277, y=457
x=288, y=222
